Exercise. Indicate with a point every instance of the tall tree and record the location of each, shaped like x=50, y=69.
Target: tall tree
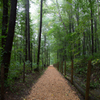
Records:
x=39, y=39
x=26, y=31
x=10, y=35
x=28, y=28
x=91, y=12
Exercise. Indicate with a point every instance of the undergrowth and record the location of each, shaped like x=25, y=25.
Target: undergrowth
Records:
x=80, y=71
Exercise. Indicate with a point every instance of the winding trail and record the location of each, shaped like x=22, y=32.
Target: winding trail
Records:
x=53, y=86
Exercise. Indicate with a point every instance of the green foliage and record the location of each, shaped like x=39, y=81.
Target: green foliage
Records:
x=80, y=67
x=15, y=70
x=94, y=85
x=96, y=62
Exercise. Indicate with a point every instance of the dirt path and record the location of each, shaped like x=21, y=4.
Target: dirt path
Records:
x=53, y=86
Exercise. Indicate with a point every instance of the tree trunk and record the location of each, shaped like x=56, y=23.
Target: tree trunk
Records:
x=31, y=57
x=2, y=82
x=42, y=56
x=26, y=32
x=38, y=55
x=28, y=29
x=84, y=43
x=4, y=22
x=92, y=31
x=91, y=9
x=45, y=48
x=34, y=52
x=96, y=38
x=8, y=45
x=77, y=17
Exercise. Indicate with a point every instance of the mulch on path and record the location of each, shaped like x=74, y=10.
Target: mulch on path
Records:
x=53, y=86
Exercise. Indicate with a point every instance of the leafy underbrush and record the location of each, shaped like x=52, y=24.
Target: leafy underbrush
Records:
x=16, y=71
x=80, y=67
x=80, y=71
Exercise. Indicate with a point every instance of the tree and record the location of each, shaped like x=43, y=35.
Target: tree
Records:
x=28, y=28
x=10, y=35
x=39, y=39
x=4, y=22
x=91, y=10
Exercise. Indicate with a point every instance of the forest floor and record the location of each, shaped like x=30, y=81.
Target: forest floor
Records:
x=50, y=86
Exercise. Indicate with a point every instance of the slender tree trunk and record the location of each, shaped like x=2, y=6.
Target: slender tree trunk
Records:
x=77, y=16
x=47, y=57
x=10, y=35
x=17, y=49
x=92, y=31
x=98, y=24
x=57, y=55
x=34, y=51
x=28, y=29
x=31, y=57
x=21, y=45
x=69, y=24
x=91, y=9
x=45, y=48
x=70, y=29
x=96, y=38
x=26, y=32
x=84, y=43
x=49, y=54
x=38, y=56
x=42, y=57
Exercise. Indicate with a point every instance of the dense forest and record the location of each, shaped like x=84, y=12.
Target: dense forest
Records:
x=37, y=33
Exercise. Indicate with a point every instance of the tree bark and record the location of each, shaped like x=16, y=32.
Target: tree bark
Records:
x=28, y=29
x=91, y=11
x=2, y=82
x=34, y=52
x=45, y=48
x=77, y=17
x=84, y=43
x=42, y=56
x=96, y=38
x=4, y=22
x=31, y=56
x=38, y=55
x=26, y=32
x=10, y=35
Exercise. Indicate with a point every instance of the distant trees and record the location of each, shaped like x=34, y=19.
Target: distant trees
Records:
x=78, y=19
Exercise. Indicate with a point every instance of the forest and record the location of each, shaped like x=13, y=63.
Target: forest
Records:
x=37, y=33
